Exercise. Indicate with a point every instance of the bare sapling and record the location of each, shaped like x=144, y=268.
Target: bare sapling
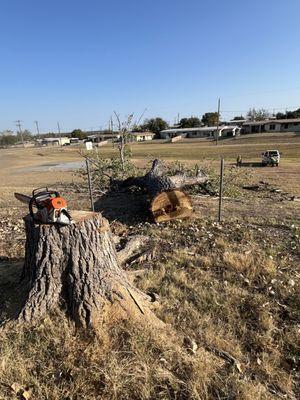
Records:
x=124, y=132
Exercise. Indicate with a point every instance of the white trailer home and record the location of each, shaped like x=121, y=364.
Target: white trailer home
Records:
x=272, y=125
x=201, y=132
x=103, y=137
x=55, y=141
x=141, y=136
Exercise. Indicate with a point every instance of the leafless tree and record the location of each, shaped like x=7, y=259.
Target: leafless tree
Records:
x=124, y=132
x=258, y=114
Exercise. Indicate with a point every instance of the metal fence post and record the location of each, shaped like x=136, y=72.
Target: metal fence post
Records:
x=221, y=190
x=90, y=183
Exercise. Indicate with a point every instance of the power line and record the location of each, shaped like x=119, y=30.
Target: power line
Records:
x=160, y=112
x=141, y=116
x=268, y=109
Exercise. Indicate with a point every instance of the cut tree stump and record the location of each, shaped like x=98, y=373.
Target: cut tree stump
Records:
x=167, y=199
x=76, y=267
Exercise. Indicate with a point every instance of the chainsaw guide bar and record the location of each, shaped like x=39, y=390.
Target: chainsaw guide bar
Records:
x=23, y=198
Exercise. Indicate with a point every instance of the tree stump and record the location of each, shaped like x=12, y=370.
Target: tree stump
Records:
x=167, y=199
x=75, y=267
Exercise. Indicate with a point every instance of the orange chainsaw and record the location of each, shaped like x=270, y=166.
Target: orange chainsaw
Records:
x=50, y=207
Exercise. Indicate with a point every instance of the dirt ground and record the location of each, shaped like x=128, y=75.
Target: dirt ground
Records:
x=19, y=172
x=19, y=168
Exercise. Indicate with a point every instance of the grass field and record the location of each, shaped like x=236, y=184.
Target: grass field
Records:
x=15, y=162
x=231, y=289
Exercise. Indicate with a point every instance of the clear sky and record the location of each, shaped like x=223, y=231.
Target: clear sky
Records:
x=76, y=61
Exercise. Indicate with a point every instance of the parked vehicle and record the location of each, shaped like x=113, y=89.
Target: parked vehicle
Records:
x=270, y=157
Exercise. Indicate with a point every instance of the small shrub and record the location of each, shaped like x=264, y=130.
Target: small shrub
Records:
x=105, y=170
x=234, y=178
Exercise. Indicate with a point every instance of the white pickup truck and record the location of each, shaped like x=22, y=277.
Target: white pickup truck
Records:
x=270, y=157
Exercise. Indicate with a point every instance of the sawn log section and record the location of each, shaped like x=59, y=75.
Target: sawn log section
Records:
x=168, y=200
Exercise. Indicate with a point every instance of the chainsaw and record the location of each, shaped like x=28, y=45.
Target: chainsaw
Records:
x=50, y=207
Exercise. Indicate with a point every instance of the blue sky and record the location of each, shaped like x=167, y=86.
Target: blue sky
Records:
x=77, y=61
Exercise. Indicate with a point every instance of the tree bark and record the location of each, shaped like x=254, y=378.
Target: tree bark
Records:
x=168, y=200
x=76, y=267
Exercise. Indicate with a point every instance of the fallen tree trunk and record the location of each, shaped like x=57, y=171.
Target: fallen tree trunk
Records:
x=76, y=267
x=168, y=200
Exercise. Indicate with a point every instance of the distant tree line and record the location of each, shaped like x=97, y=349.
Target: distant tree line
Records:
x=155, y=125
x=260, y=114
x=79, y=134
x=9, y=138
x=289, y=114
x=158, y=124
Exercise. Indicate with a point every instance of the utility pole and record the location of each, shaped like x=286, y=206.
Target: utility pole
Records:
x=218, y=122
x=18, y=123
x=38, y=130
x=58, y=127
x=37, y=127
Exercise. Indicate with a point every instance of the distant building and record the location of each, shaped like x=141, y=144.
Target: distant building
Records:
x=142, y=136
x=53, y=141
x=201, y=132
x=109, y=137
x=271, y=125
x=74, y=140
x=103, y=137
x=236, y=122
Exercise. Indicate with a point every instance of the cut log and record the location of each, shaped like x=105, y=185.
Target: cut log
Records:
x=170, y=205
x=75, y=267
x=168, y=200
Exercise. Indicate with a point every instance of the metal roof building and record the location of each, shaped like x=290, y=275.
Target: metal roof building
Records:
x=272, y=125
x=201, y=132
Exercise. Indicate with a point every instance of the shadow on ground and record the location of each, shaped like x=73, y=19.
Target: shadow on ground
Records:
x=126, y=207
x=251, y=164
x=12, y=290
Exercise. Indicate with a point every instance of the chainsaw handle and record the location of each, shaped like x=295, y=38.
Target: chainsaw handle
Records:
x=43, y=190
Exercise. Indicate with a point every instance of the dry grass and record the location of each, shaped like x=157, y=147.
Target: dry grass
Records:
x=123, y=363
x=235, y=301
x=252, y=264
x=218, y=286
